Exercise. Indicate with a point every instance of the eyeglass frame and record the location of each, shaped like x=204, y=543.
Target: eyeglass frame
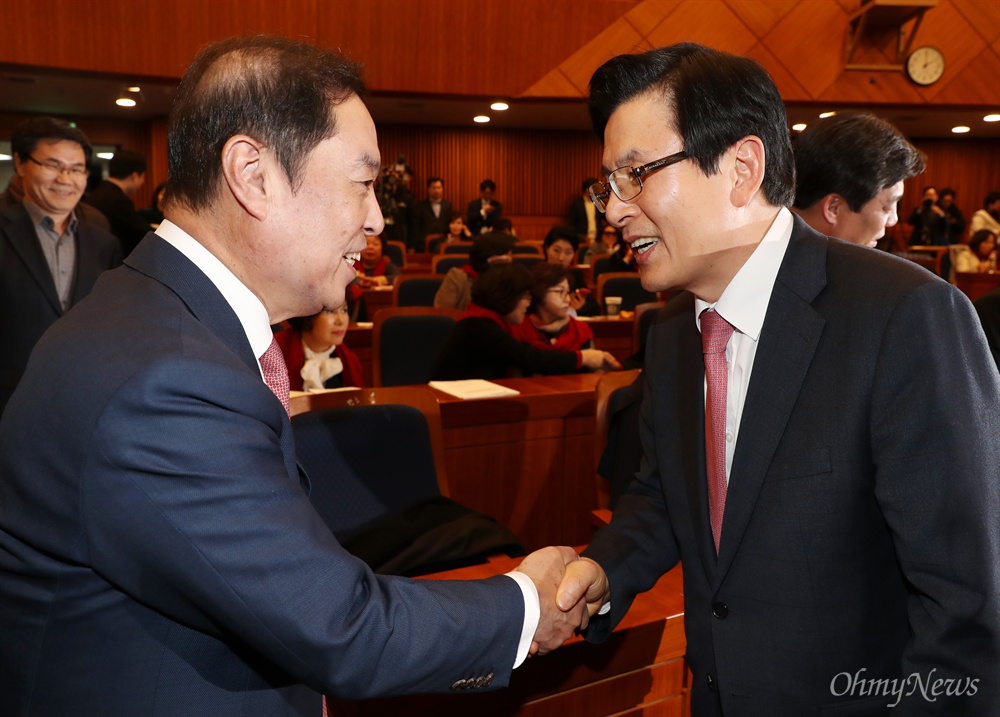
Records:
x=600, y=192
x=73, y=170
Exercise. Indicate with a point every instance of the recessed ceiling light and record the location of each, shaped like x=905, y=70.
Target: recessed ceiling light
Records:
x=106, y=155
x=482, y=119
x=499, y=106
x=961, y=129
x=125, y=102
x=824, y=115
x=5, y=157
x=991, y=118
x=799, y=127
x=135, y=88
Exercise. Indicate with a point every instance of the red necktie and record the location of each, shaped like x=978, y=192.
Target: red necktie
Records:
x=715, y=334
x=272, y=365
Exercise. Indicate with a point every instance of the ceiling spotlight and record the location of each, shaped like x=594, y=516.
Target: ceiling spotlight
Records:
x=5, y=157
x=481, y=119
x=105, y=155
x=499, y=106
x=135, y=88
x=991, y=118
x=824, y=115
x=961, y=129
x=799, y=127
x=125, y=102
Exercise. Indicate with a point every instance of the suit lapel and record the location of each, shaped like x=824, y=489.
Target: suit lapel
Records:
x=22, y=237
x=788, y=341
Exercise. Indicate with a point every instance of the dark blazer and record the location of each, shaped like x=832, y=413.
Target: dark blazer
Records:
x=158, y=551
x=126, y=223
x=426, y=223
x=578, y=217
x=475, y=220
x=29, y=303
x=860, y=528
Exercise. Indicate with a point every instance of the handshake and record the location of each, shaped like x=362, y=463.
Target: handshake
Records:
x=571, y=590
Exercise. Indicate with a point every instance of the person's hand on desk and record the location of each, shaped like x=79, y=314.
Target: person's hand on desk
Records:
x=545, y=567
x=598, y=360
x=584, y=583
x=371, y=281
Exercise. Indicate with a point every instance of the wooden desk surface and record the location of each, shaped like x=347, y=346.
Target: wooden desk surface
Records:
x=975, y=284
x=638, y=670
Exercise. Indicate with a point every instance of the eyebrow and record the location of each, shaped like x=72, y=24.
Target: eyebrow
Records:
x=372, y=163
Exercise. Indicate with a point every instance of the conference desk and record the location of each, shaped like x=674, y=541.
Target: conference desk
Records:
x=975, y=284
x=639, y=670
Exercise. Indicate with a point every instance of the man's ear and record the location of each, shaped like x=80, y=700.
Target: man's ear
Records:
x=245, y=173
x=748, y=170
x=833, y=207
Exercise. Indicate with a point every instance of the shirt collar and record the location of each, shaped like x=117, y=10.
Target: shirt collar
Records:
x=744, y=302
x=248, y=308
x=38, y=216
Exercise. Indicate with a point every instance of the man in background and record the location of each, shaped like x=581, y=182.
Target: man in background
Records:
x=485, y=211
x=583, y=215
x=115, y=197
x=432, y=214
x=49, y=257
x=807, y=456
x=850, y=170
x=158, y=551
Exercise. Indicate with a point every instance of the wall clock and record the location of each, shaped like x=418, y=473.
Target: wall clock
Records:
x=925, y=65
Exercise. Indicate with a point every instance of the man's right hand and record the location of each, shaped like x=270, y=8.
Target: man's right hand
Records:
x=584, y=581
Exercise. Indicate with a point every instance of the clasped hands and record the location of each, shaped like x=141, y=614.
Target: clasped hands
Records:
x=571, y=590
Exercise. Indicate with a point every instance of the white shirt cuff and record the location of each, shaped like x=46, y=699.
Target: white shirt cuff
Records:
x=532, y=613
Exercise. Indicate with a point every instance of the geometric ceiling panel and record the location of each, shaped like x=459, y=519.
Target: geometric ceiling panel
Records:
x=944, y=27
x=707, y=23
x=977, y=83
x=982, y=15
x=807, y=39
x=761, y=17
x=789, y=87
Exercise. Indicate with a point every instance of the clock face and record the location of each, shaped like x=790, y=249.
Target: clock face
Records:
x=925, y=65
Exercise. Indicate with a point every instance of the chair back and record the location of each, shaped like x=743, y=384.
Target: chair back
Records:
x=599, y=266
x=457, y=247
x=415, y=290
x=615, y=462
x=396, y=251
x=625, y=284
x=442, y=263
x=581, y=253
x=526, y=248
x=644, y=315
x=406, y=341
x=428, y=239
x=528, y=260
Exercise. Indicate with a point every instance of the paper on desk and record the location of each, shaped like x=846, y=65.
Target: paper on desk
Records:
x=473, y=388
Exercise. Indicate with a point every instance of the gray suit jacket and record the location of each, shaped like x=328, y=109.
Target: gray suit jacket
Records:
x=860, y=528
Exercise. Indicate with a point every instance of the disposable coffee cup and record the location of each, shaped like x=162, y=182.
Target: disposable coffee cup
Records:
x=613, y=304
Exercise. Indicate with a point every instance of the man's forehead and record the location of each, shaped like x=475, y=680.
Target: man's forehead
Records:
x=638, y=130
x=62, y=146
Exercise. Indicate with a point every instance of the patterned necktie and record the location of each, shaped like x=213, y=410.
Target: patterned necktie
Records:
x=715, y=334
x=272, y=365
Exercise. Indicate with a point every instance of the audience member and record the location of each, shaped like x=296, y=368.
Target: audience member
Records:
x=989, y=216
x=158, y=550
x=584, y=217
x=484, y=212
x=849, y=171
x=431, y=215
x=483, y=345
x=49, y=257
x=560, y=247
x=548, y=324
x=979, y=254
x=952, y=215
x=114, y=197
x=457, y=231
x=374, y=268
x=315, y=352
x=154, y=212
x=455, y=291
x=808, y=459
x=930, y=227
x=14, y=193
x=503, y=225
x=606, y=243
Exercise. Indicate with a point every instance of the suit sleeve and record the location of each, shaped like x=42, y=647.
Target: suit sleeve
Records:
x=193, y=509
x=449, y=292
x=935, y=425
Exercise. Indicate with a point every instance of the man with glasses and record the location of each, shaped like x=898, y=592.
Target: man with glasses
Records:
x=807, y=452
x=49, y=258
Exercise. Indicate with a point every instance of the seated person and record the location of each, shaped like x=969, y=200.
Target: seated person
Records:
x=548, y=324
x=375, y=269
x=482, y=344
x=456, y=289
x=979, y=254
x=604, y=244
x=153, y=213
x=560, y=247
x=620, y=253
x=315, y=353
x=457, y=231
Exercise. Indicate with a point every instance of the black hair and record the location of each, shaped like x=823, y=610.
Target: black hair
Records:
x=855, y=155
x=487, y=184
x=564, y=233
x=587, y=183
x=716, y=100
x=979, y=237
x=29, y=132
x=431, y=180
x=990, y=198
x=278, y=91
x=125, y=162
x=502, y=287
x=946, y=192
x=546, y=276
x=486, y=246
x=503, y=224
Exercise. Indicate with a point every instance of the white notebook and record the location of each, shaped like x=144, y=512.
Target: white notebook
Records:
x=473, y=388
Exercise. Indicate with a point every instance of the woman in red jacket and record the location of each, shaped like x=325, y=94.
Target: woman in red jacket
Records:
x=549, y=324
x=315, y=353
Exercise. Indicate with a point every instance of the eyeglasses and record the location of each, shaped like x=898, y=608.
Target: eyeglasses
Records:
x=626, y=182
x=560, y=292
x=55, y=168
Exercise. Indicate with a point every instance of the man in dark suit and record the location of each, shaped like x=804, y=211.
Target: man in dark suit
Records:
x=584, y=217
x=819, y=424
x=484, y=212
x=115, y=198
x=49, y=257
x=431, y=215
x=158, y=551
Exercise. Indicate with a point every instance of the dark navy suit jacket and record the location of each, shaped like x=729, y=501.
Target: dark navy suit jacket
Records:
x=158, y=551
x=861, y=527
